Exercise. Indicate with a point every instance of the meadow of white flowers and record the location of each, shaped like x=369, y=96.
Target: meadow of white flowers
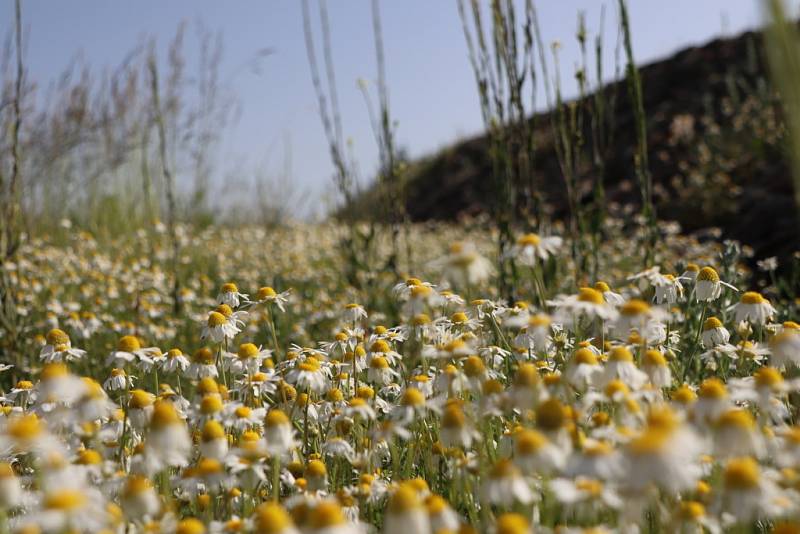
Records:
x=279, y=399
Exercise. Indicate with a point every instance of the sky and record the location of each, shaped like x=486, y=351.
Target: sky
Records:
x=431, y=87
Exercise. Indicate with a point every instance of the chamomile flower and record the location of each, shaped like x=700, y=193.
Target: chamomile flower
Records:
x=455, y=430
x=58, y=348
x=714, y=333
x=248, y=359
x=139, y=499
x=753, y=308
x=708, y=285
x=535, y=453
x=203, y=364
x=505, y=486
x=531, y=248
x=655, y=365
x=621, y=366
x=130, y=351
x=748, y=494
x=221, y=324
x=278, y=433
x=610, y=296
x=405, y=512
x=309, y=375
x=464, y=265
x=267, y=295
x=785, y=345
x=174, y=362
x=664, y=454
x=583, y=369
x=230, y=296
x=118, y=380
x=668, y=289
x=10, y=487
x=589, y=303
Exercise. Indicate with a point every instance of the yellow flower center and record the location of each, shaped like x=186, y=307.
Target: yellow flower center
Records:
x=529, y=240
x=620, y=354
x=512, y=524
x=230, y=287
x=590, y=486
x=529, y=442
x=751, y=297
x=655, y=358
x=136, y=485
x=420, y=319
x=768, y=377
x=326, y=514
x=211, y=403
x=692, y=510
x=380, y=345
x=164, y=414
x=6, y=471
x=738, y=419
x=584, y=356
x=453, y=417
x=587, y=294
x=492, y=387
x=526, y=376
x=225, y=310
x=212, y=430
x=128, y=344
x=420, y=291
x=615, y=387
x=711, y=323
x=57, y=337
x=315, y=468
x=266, y=293
x=309, y=365
x=208, y=467
x=634, y=307
x=190, y=526
x=64, y=500
x=601, y=287
x=24, y=427
x=216, y=319
x=684, y=395
x=435, y=504
x=412, y=397
x=379, y=362
x=459, y=318
x=650, y=441
x=708, y=274
x=474, y=366
x=662, y=417
x=742, y=474
x=140, y=399
x=550, y=415
x=712, y=388
x=247, y=351
x=276, y=418
x=504, y=469
x=271, y=518
x=204, y=356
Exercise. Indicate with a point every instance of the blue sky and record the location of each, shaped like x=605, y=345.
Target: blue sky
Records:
x=432, y=92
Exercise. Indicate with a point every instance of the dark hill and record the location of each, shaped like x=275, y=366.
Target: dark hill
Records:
x=715, y=142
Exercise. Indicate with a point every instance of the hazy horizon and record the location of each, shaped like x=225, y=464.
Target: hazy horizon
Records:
x=432, y=91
